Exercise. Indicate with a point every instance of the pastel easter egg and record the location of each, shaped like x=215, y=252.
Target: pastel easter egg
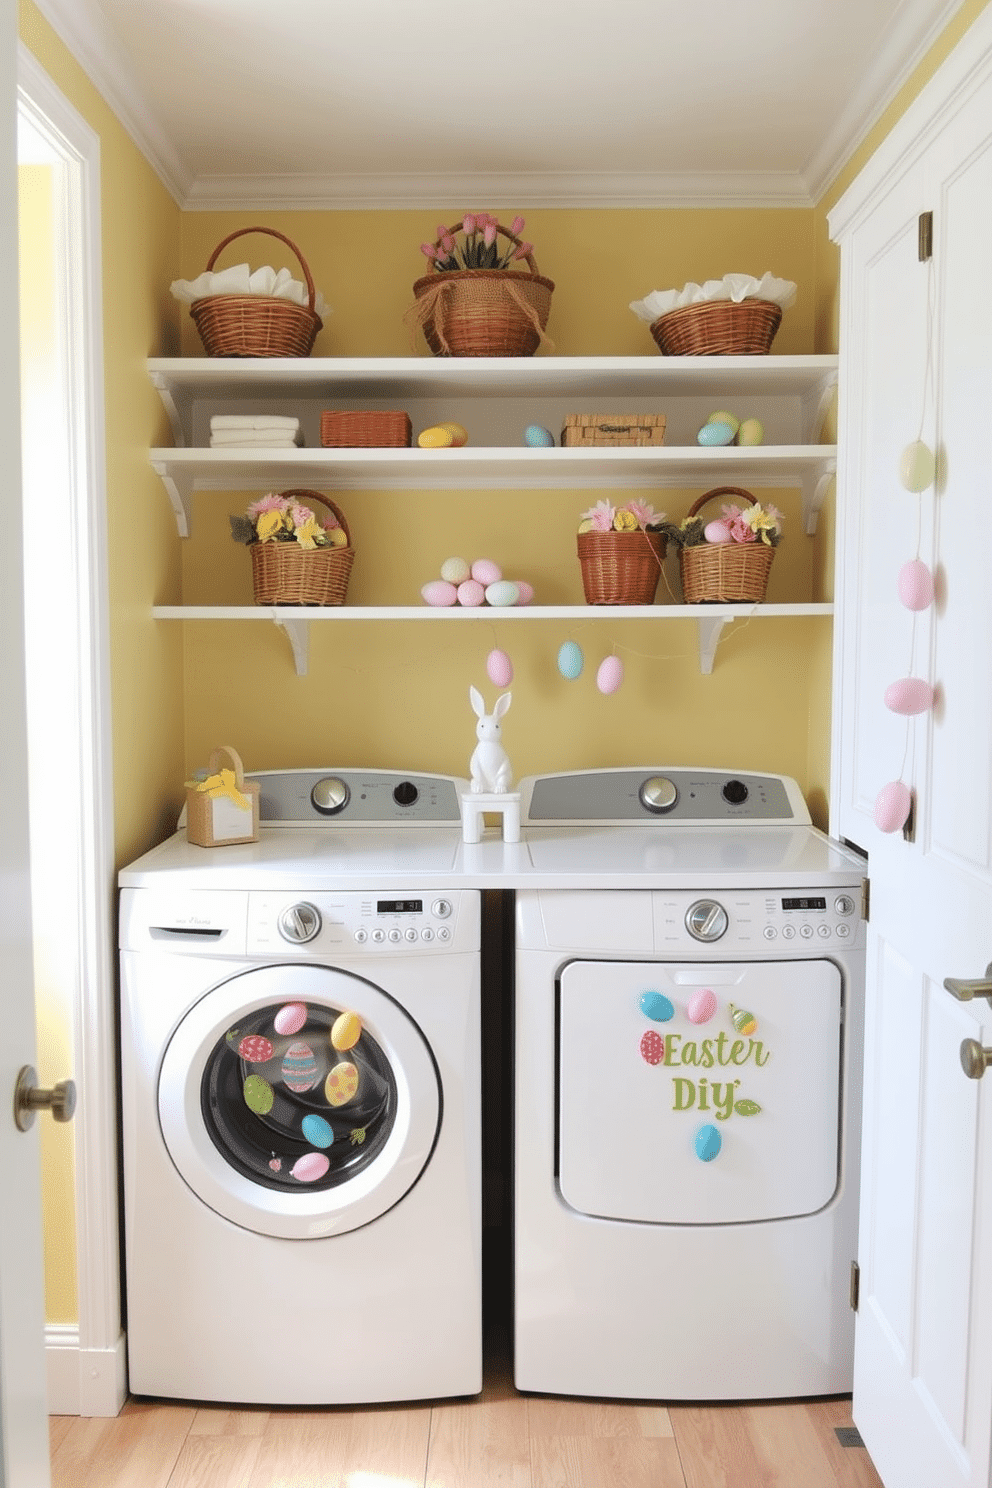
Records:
x=722, y=417
x=310, y=1167
x=715, y=434
x=455, y=570
x=485, y=571
x=908, y=696
x=503, y=593
x=656, y=1006
x=299, y=1068
x=538, y=437
x=701, y=1006
x=499, y=668
x=341, y=1084
x=525, y=592
x=459, y=434
x=915, y=585
x=346, y=1031
x=892, y=806
x=570, y=660
x=275, y=1163
x=318, y=1132
x=707, y=1143
x=290, y=1018
x=751, y=431
x=743, y=1021
x=610, y=675
x=471, y=594
x=717, y=532
x=917, y=466
x=652, y=1047
x=255, y=1049
x=436, y=437
x=439, y=593
x=258, y=1095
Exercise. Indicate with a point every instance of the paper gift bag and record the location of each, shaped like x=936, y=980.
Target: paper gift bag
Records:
x=222, y=809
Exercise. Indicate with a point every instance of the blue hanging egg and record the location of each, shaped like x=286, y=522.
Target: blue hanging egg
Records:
x=657, y=1007
x=707, y=1143
x=570, y=660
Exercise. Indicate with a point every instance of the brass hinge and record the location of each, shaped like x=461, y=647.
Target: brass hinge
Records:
x=924, y=242
x=865, y=898
x=855, y=1285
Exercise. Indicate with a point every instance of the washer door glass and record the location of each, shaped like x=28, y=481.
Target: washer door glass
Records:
x=299, y=1101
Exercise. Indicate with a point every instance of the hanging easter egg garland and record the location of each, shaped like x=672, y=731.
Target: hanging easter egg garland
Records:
x=911, y=696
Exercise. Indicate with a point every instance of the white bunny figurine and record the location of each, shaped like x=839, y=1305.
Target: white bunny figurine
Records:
x=489, y=766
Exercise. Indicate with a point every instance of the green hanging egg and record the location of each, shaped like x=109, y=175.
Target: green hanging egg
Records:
x=744, y=1022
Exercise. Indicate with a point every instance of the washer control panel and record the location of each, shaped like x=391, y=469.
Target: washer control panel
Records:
x=414, y=923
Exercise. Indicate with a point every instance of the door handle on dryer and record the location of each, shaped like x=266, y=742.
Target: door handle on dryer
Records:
x=964, y=991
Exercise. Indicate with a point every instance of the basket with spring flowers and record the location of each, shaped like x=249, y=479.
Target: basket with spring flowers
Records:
x=298, y=557
x=621, y=550
x=728, y=559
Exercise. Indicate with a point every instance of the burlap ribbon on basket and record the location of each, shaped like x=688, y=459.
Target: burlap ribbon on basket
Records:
x=431, y=306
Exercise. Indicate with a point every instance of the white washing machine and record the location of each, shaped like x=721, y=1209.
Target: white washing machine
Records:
x=300, y=1034
x=688, y=1051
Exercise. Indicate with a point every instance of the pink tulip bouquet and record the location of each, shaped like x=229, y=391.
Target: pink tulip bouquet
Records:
x=474, y=244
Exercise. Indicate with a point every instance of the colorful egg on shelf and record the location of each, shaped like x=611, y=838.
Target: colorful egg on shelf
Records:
x=538, y=437
x=652, y=1047
x=471, y=594
x=707, y=1143
x=656, y=1006
x=610, y=675
x=318, y=1132
x=346, y=1030
x=570, y=660
x=908, y=696
x=717, y=532
x=341, y=1084
x=892, y=807
x=485, y=571
x=915, y=585
x=310, y=1167
x=258, y=1095
x=917, y=466
x=751, y=432
x=525, y=592
x=436, y=437
x=299, y=1068
x=743, y=1021
x=459, y=434
x=701, y=1006
x=256, y=1049
x=723, y=417
x=502, y=594
x=439, y=594
x=499, y=668
x=455, y=570
x=716, y=434
x=290, y=1018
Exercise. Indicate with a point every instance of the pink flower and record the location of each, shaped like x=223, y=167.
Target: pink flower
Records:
x=601, y=516
x=524, y=251
x=489, y=235
x=428, y=250
x=468, y=223
x=329, y=523
x=447, y=241
x=272, y=502
x=300, y=515
x=517, y=226
x=644, y=513
x=740, y=531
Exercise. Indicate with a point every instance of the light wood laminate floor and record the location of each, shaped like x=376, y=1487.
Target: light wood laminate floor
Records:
x=498, y=1440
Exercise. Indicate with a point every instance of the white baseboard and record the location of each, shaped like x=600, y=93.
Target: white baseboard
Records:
x=83, y=1382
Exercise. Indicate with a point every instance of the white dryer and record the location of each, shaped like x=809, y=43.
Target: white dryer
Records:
x=300, y=1034
x=687, y=1089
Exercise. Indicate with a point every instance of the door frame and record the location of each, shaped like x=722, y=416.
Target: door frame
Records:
x=86, y=1362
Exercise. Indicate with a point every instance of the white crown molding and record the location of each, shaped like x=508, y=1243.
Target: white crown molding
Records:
x=911, y=34
x=429, y=193
x=82, y=28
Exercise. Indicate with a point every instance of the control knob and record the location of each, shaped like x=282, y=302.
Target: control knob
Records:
x=735, y=792
x=330, y=795
x=658, y=794
x=406, y=793
x=299, y=923
x=706, y=920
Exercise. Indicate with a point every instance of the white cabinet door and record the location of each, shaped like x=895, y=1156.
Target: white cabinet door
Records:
x=923, y=1354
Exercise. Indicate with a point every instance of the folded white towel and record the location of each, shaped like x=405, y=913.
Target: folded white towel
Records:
x=230, y=439
x=253, y=421
x=239, y=280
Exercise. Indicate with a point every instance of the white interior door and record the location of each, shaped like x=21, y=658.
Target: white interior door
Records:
x=923, y=1355
x=23, y=1425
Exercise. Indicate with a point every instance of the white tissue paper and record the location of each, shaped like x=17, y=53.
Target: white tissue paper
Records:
x=240, y=280
x=736, y=287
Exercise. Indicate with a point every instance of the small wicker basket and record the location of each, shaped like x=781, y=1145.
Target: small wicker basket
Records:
x=718, y=328
x=725, y=573
x=257, y=325
x=483, y=312
x=283, y=573
x=620, y=568
x=365, y=428
x=613, y=429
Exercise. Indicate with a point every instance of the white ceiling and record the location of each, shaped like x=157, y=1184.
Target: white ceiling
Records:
x=405, y=103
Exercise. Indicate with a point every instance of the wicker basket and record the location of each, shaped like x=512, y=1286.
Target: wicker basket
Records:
x=257, y=325
x=365, y=428
x=725, y=573
x=718, y=328
x=620, y=568
x=483, y=312
x=613, y=429
x=283, y=573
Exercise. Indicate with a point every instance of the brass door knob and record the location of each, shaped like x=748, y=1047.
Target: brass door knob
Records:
x=975, y=1059
x=29, y=1099
x=965, y=991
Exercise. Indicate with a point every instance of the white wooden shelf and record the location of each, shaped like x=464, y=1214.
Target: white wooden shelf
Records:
x=295, y=620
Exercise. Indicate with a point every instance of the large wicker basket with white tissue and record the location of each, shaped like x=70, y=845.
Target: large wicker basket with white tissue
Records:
x=253, y=325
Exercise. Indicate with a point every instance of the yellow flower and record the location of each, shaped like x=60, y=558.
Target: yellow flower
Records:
x=625, y=521
x=336, y=538
x=308, y=532
x=269, y=523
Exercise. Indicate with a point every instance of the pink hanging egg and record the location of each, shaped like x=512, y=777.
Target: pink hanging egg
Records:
x=915, y=585
x=717, y=532
x=439, y=593
x=908, y=696
x=892, y=806
x=485, y=571
x=310, y=1167
x=499, y=668
x=526, y=592
x=610, y=675
x=652, y=1047
x=701, y=1006
x=471, y=594
x=290, y=1018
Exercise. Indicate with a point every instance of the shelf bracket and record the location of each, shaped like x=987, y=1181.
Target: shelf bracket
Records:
x=298, y=632
x=813, y=495
x=171, y=407
x=709, y=637
x=179, y=489
x=814, y=408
